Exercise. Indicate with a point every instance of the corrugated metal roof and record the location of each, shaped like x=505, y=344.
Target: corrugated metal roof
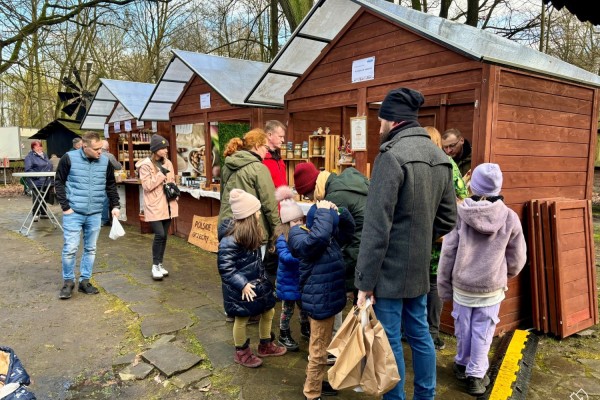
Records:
x=327, y=18
x=132, y=96
x=232, y=78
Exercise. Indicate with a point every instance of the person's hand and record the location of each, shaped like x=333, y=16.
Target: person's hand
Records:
x=69, y=211
x=324, y=204
x=116, y=212
x=247, y=292
x=362, y=297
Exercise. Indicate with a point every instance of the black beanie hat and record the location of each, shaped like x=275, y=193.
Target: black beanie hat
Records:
x=401, y=105
x=158, y=142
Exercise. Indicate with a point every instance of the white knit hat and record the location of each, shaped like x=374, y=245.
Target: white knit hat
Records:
x=243, y=204
x=289, y=210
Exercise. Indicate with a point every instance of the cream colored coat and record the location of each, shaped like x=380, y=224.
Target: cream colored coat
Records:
x=155, y=200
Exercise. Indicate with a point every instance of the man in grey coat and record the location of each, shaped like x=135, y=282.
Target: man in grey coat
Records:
x=411, y=202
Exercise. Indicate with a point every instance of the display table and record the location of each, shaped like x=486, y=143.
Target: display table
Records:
x=39, y=193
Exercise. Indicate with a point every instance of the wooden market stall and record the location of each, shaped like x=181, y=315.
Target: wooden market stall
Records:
x=533, y=114
x=115, y=110
x=206, y=92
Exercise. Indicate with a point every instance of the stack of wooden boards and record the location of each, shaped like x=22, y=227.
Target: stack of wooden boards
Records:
x=562, y=264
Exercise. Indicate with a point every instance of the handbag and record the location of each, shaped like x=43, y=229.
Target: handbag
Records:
x=171, y=191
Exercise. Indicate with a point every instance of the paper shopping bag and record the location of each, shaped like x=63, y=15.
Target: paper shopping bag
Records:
x=380, y=374
x=348, y=347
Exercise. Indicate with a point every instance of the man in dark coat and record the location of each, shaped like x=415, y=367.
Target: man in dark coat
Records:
x=411, y=203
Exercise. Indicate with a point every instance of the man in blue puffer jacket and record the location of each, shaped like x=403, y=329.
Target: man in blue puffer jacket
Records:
x=322, y=271
x=84, y=177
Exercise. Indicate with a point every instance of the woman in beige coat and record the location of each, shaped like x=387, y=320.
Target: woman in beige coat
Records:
x=154, y=172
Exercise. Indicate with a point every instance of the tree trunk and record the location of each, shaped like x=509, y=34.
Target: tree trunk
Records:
x=274, y=29
x=472, y=12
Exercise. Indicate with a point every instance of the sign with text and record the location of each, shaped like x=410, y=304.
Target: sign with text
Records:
x=204, y=233
x=204, y=100
x=363, y=70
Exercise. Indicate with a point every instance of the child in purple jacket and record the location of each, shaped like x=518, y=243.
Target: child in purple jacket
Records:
x=485, y=249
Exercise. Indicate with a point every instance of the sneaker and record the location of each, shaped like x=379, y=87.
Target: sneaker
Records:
x=86, y=287
x=36, y=218
x=477, y=386
x=460, y=371
x=286, y=339
x=156, y=274
x=439, y=344
x=162, y=270
x=327, y=390
x=67, y=290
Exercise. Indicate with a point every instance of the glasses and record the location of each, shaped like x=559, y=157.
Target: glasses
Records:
x=451, y=146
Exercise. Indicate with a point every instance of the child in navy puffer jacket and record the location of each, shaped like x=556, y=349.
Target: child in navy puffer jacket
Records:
x=246, y=289
x=322, y=282
x=485, y=249
x=288, y=271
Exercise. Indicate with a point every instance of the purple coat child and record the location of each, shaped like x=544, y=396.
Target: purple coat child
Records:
x=485, y=249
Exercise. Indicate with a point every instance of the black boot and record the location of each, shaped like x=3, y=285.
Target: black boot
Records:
x=286, y=339
x=305, y=330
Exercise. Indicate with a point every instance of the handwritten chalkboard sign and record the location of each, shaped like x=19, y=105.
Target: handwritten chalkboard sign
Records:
x=204, y=233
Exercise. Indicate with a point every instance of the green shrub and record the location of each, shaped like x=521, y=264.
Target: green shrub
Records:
x=228, y=131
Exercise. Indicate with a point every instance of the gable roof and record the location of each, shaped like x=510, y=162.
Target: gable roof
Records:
x=328, y=17
x=132, y=96
x=231, y=78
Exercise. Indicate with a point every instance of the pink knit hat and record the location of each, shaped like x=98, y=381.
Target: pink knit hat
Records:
x=243, y=204
x=289, y=210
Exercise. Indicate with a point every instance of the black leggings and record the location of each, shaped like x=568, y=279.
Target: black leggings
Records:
x=161, y=231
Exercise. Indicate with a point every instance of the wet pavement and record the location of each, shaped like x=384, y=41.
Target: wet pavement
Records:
x=143, y=339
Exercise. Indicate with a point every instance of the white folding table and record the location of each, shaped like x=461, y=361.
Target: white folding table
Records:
x=41, y=204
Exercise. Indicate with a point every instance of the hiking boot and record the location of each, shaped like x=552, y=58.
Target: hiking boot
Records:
x=460, y=371
x=439, y=344
x=67, y=290
x=86, y=287
x=162, y=270
x=286, y=339
x=327, y=390
x=156, y=274
x=305, y=330
x=268, y=348
x=245, y=357
x=477, y=386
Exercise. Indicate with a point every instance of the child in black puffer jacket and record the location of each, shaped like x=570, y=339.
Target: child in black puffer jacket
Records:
x=246, y=290
x=322, y=282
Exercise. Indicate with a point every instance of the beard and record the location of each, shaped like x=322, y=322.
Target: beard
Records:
x=384, y=136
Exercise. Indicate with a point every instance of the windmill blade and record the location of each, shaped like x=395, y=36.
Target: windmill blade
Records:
x=77, y=76
x=66, y=96
x=68, y=83
x=81, y=112
x=70, y=109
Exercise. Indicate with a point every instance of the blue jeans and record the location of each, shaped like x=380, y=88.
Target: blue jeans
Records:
x=73, y=224
x=410, y=314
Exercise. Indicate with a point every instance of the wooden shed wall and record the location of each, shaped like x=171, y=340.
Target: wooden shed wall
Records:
x=543, y=136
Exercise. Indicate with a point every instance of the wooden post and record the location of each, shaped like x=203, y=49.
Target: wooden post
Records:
x=361, y=110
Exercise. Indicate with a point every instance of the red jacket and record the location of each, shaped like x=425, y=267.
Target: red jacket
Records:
x=276, y=167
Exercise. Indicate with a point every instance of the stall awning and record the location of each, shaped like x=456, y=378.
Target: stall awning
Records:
x=328, y=17
x=132, y=96
x=232, y=78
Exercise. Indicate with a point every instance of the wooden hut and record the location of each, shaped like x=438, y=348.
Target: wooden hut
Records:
x=196, y=92
x=531, y=113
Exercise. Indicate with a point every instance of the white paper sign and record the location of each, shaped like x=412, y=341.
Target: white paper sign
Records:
x=139, y=124
x=128, y=126
x=363, y=70
x=106, y=134
x=358, y=133
x=154, y=126
x=117, y=126
x=204, y=101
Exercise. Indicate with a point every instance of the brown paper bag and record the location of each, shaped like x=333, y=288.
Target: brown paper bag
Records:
x=380, y=374
x=348, y=346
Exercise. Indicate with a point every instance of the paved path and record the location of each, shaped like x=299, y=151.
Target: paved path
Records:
x=77, y=348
